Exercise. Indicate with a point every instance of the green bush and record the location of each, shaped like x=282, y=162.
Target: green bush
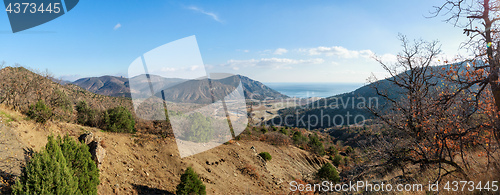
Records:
x=274, y=128
x=328, y=172
x=316, y=145
x=190, y=183
x=263, y=130
x=298, y=138
x=80, y=160
x=333, y=150
x=349, y=150
x=201, y=128
x=347, y=160
x=85, y=115
x=266, y=156
x=337, y=160
x=283, y=131
x=63, y=167
x=40, y=112
x=118, y=119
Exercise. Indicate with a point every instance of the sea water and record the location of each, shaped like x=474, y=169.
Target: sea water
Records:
x=305, y=90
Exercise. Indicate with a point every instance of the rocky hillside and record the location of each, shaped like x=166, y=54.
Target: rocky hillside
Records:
x=120, y=87
x=146, y=164
x=140, y=163
x=105, y=85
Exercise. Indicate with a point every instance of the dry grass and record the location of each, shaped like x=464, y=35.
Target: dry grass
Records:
x=275, y=138
x=251, y=171
x=479, y=171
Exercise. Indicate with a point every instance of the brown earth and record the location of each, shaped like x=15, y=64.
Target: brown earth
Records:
x=146, y=164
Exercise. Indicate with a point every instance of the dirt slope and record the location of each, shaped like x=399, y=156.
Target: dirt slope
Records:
x=145, y=164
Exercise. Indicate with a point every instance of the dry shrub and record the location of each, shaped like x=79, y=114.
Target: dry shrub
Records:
x=275, y=138
x=160, y=128
x=251, y=171
x=103, y=144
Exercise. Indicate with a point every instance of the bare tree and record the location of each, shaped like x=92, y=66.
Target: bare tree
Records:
x=427, y=126
x=479, y=20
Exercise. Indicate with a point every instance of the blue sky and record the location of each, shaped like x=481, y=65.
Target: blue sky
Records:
x=270, y=41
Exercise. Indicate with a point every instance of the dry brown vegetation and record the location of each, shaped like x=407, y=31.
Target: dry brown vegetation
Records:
x=62, y=98
x=143, y=162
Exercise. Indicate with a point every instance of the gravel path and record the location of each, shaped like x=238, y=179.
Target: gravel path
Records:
x=11, y=152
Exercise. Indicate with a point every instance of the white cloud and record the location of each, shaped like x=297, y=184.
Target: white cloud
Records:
x=274, y=63
x=389, y=58
x=117, y=26
x=338, y=51
x=211, y=14
x=168, y=69
x=280, y=51
x=193, y=68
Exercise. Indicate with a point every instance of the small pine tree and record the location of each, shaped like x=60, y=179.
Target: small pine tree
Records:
x=64, y=167
x=80, y=160
x=298, y=138
x=120, y=120
x=40, y=112
x=266, y=156
x=283, y=131
x=47, y=173
x=328, y=172
x=190, y=183
x=333, y=150
x=316, y=145
x=337, y=160
x=201, y=128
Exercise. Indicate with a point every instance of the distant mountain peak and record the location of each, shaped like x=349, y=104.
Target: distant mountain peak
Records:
x=119, y=86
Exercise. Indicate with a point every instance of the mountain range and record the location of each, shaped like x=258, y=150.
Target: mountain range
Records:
x=178, y=88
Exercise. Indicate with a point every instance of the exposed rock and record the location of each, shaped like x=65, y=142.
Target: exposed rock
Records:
x=96, y=150
x=87, y=138
x=278, y=181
